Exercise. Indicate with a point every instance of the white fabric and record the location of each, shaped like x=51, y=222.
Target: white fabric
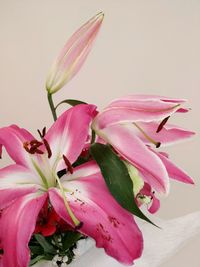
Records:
x=159, y=244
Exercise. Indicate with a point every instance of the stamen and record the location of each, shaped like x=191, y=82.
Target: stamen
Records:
x=25, y=146
x=47, y=148
x=32, y=147
x=42, y=135
x=161, y=125
x=76, y=222
x=38, y=151
x=36, y=143
x=44, y=131
x=157, y=144
x=68, y=164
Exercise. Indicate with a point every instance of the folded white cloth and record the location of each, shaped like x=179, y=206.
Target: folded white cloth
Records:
x=159, y=244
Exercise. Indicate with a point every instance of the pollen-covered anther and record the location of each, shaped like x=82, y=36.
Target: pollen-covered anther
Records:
x=162, y=124
x=32, y=147
x=68, y=164
x=43, y=133
x=47, y=146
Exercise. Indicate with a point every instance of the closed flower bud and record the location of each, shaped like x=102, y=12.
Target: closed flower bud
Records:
x=73, y=55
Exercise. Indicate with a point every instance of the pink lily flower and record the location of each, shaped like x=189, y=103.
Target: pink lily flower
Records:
x=73, y=54
x=133, y=124
x=80, y=197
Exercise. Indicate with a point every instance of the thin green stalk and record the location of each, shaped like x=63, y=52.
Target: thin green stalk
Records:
x=93, y=137
x=52, y=107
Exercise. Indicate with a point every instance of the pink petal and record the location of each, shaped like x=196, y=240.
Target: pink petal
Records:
x=155, y=202
x=130, y=147
x=154, y=206
x=147, y=98
x=17, y=225
x=12, y=138
x=87, y=169
x=103, y=219
x=134, y=111
x=174, y=172
x=16, y=181
x=68, y=134
x=183, y=110
x=168, y=135
x=74, y=54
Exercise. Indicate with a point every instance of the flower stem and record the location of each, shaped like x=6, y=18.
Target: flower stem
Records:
x=52, y=107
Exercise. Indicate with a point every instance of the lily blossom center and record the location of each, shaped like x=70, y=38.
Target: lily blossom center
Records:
x=40, y=154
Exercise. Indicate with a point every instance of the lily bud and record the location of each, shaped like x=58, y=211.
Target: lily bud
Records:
x=73, y=54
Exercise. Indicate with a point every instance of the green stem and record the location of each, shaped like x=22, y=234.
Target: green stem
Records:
x=51, y=104
x=93, y=137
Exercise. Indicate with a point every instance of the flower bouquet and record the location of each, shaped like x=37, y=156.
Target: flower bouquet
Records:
x=93, y=175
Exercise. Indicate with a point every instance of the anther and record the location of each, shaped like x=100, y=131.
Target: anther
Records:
x=47, y=148
x=36, y=143
x=68, y=164
x=162, y=124
x=38, y=151
x=25, y=145
x=43, y=133
x=32, y=147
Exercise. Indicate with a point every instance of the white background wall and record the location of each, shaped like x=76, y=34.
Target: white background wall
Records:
x=143, y=47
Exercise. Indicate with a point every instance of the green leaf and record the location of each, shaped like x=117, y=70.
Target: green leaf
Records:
x=48, y=248
x=117, y=178
x=49, y=257
x=70, y=239
x=36, y=259
x=93, y=137
x=71, y=102
x=38, y=250
x=79, y=161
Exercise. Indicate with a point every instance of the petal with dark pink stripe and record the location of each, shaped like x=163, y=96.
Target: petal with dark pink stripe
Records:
x=17, y=225
x=103, y=218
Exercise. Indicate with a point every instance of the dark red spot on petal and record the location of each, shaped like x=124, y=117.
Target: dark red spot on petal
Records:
x=114, y=221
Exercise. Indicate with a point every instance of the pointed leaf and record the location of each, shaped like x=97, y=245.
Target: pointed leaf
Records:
x=117, y=178
x=36, y=259
x=48, y=248
x=71, y=102
x=70, y=239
